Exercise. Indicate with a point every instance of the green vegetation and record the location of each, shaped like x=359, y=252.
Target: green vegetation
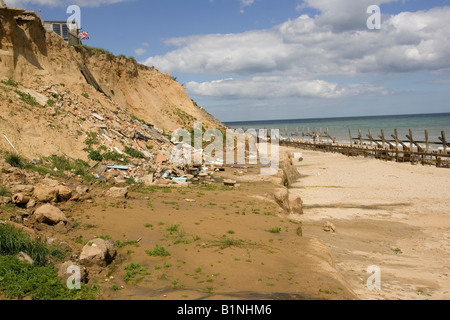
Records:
x=132, y=271
x=27, y=98
x=47, y=165
x=11, y=82
x=397, y=251
x=84, y=94
x=4, y=192
x=275, y=230
x=158, y=252
x=121, y=244
x=50, y=102
x=15, y=160
x=134, y=153
x=39, y=280
x=104, y=51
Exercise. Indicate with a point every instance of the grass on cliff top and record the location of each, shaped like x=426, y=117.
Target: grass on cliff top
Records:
x=38, y=281
x=47, y=165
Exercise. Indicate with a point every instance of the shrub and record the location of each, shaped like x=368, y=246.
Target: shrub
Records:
x=95, y=155
x=134, y=153
x=85, y=95
x=50, y=102
x=158, y=252
x=11, y=82
x=27, y=98
x=15, y=160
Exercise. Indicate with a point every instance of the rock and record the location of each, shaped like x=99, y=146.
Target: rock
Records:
x=24, y=189
x=329, y=227
x=82, y=190
x=117, y=192
x=281, y=196
x=5, y=200
x=148, y=180
x=300, y=231
x=290, y=173
x=50, y=182
x=23, y=257
x=98, y=252
x=295, y=204
x=20, y=199
x=50, y=215
x=64, y=193
x=45, y=193
x=65, y=275
x=31, y=204
x=231, y=183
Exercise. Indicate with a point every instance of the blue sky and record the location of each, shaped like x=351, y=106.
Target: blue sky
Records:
x=265, y=59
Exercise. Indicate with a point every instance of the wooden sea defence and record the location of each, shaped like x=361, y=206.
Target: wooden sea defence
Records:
x=377, y=146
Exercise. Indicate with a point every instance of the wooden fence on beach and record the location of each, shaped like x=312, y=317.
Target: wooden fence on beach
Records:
x=381, y=146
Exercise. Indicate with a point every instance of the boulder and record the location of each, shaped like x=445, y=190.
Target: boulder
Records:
x=31, y=204
x=65, y=268
x=329, y=227
x=148, y=180
x=117, y=192
x=45, y=193
x=295, y=204
x=20, y=199
x=98, y=252
x=64, y=193
x=23, y=189
x=231, y=183
x=281, y=196
x=50, y=215
x=82, y=190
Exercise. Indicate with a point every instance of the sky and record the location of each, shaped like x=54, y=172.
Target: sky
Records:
x=246, y=60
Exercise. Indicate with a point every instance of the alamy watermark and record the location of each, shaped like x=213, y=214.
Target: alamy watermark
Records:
x=241, y=147
x=74, y=281
x=374, y=21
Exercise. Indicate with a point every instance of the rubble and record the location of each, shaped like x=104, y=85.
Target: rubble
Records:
x=50, y=215
x=98, y=252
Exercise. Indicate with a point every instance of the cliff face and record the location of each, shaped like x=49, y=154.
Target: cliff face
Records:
x=72, y=83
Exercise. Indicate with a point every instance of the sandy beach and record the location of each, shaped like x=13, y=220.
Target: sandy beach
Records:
x=392, y=215
x=237, y=243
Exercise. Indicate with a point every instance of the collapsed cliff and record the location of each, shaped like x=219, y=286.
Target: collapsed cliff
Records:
x=53, y=95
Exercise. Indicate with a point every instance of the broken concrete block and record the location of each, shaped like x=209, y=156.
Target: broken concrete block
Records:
x=45, y=193
x=117, y=192
x=50, y=215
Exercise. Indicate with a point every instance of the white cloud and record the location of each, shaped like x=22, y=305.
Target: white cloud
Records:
x=245, y=3
x=60, y=3
x=306, y=47
x=140, y=51
x=279, y=87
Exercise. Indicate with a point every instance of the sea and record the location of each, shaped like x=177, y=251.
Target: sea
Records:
x=338, y=128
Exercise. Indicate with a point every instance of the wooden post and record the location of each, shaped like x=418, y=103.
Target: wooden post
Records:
x=427, y=142
x=303, y=134
x=298, y=137
x=309, y=135
x=360, y=137
x=396, y=144
x=320, y=135
x=444, y=142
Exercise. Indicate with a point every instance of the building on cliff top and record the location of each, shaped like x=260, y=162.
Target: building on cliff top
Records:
x=69, y=32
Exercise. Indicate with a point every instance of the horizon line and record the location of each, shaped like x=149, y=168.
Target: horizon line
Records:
x=343, y=117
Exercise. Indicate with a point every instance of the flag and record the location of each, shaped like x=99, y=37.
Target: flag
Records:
x=84, y=35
